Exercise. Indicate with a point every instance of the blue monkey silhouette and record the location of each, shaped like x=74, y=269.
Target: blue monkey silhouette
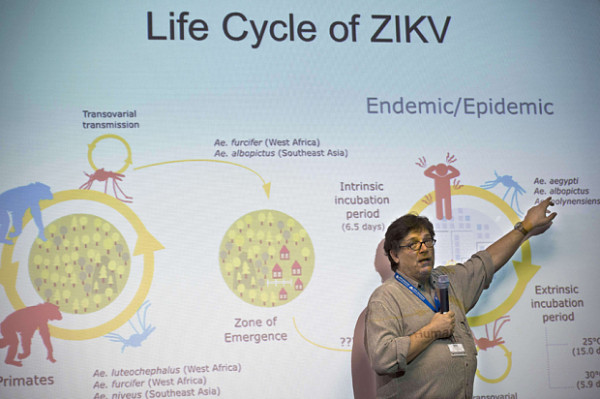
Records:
x=15, y=202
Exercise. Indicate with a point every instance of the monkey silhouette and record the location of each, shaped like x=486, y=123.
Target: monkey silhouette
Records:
x=26, y=321
x=364, y=385
x=15, y=203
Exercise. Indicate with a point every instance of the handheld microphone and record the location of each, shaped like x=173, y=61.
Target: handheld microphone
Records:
x=442, y=284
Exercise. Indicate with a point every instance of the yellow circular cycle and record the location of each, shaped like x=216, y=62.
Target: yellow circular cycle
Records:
x=92, y=147
x=524, y=269
x=146, y=245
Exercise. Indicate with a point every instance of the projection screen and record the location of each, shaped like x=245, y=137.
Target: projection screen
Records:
x=194, y=193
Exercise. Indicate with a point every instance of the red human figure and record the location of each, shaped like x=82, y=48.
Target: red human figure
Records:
x=441, y=175
x=26, y=321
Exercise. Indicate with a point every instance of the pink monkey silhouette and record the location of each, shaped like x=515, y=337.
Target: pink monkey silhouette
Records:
x=26, y=321
x=441, y=175
x=363, y=376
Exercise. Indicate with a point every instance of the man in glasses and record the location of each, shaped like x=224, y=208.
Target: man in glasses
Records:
x=416, y=350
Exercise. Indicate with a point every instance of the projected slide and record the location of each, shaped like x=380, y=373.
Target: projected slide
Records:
x=193, y=194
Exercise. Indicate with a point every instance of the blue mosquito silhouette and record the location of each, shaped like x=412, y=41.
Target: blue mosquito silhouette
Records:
x=136, y=339
x=507, y=181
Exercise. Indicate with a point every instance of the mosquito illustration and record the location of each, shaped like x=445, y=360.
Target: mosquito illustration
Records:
x=105, y=176
x=135, y=340
x=486, y=343
x=507, y=181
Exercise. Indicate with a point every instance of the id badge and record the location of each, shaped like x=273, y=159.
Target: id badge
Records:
x=456, y=349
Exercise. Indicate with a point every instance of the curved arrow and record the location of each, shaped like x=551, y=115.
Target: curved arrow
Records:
x=266, y=186
x=314, y=343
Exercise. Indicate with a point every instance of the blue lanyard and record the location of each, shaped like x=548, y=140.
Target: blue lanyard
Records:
x=418, y=293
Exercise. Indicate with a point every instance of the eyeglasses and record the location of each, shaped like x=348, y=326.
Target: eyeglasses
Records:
x=416, y=246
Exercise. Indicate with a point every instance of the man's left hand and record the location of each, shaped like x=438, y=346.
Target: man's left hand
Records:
x=539, y=218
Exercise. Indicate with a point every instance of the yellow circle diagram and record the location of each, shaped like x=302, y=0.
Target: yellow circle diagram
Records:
x=496, y=380
x=524, y=269
x=145, y=245
x=83, y=266
x=266, y=258
x=92, y=147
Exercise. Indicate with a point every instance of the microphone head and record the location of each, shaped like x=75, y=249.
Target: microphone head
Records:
x=441, y=282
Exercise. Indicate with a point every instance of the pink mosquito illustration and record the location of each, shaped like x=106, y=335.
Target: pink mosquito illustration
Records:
x=485, y=343
x=135, y=340
x=105, y=176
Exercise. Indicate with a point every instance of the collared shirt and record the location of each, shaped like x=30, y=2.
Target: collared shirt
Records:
x=394, y=313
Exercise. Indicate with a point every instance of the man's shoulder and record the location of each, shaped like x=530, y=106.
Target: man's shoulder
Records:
x=449, y=268
x=385, y=288
x=389, y=291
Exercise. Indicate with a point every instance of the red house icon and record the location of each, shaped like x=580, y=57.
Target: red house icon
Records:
x=283, y=296
x=299, y=285
x=277, y=272
x=284, y=253
x=296, y=269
